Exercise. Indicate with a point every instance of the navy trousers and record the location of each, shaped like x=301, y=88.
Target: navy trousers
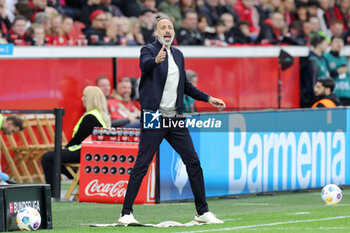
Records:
x=181, y=141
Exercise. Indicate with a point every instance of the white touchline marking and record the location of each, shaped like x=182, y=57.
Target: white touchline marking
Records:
x=255, y=204
x=266, y=224
x=299, y=213
x=165, y=204
x=231, y=219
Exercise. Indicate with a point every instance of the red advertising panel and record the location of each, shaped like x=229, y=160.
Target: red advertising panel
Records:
x=105, y=169
x=243, y=83
x=50, y=83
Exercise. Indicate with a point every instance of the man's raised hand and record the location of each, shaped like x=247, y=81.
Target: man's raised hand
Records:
x=161, y=55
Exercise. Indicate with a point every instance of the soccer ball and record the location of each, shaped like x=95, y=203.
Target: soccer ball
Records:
x=28, y=219
x=331, y=194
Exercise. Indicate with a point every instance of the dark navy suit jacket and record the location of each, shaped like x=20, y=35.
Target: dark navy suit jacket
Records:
x=153, y=78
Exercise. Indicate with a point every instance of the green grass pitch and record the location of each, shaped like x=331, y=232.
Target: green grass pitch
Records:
x=283, y=212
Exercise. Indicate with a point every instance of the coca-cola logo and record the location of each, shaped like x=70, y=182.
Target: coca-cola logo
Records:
x=106, y=190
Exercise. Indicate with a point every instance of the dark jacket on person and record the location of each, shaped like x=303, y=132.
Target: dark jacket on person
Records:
x=212, y=14
x=87, y=10
x=235, y=36
x=153, y=78
x=331, y=97
x=101, y=35
x=186, y=37
x=148, y=35
x=269, y=34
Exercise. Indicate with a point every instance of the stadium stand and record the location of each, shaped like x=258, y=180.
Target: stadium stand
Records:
x=295, y=25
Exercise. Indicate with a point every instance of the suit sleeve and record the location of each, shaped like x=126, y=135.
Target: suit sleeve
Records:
x=147, y=60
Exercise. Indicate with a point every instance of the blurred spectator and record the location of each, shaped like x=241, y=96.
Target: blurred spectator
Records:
x=113, y=9
x=219, y=39
x=207, y=32
x=312, y=8
x=288, y=8
x=38, y=35
x=135, y=29
x=73, y=8
x=316, y=68
x=301, y=12
x=228, y=21
x=149, y=4
x=338, y=70
x=5, y=24
x=212, y=10
x=63, y=36
x=41, y=6
x=56, y=25
x=337, y=28
x=333, y=13
x=11, y=9
x=9, y=125
x=171, y=8
x=188, y=34
x=147, y=19
x=18, y=33
x=229, y=7
x=304, y=35
x=187, y=4
x=276, y=6
x=43, y=19
x=297, y=33
x=23, y=8
x=315, y=27
x=96, y=33
x=86, y=11
x=344, y=7
x=103, y=83
x=124, y=112
x=263, y=11
x=129, y=7
x=247, y=12
x=188, y=105
x=321, y=14
x=113, y=30
x=271, y=32
x=324, y=96
x=242, y=36
x=127, y=33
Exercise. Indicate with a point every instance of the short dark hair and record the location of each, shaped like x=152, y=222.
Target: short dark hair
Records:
x=337, y=37
x=100, y=78
x=327, y=83
x=316, y=40
x=313, y=3
x=188, y=11
x=17, y=121
x=19, y=17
